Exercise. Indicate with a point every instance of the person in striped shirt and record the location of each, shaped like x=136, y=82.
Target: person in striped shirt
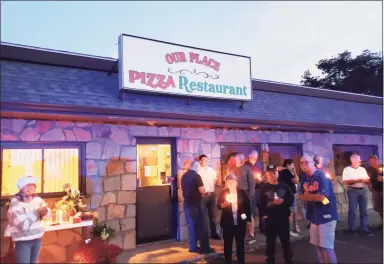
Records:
x=26, y=210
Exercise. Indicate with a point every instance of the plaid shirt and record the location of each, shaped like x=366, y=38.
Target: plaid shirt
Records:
x=24, y=219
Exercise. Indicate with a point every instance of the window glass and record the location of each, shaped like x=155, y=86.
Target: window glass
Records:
x=52, y=168
x=342, y=153
x=154, y=164
x=278, y=153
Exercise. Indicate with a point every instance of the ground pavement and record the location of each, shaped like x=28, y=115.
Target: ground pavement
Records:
x=349, y=249
x=177, y=252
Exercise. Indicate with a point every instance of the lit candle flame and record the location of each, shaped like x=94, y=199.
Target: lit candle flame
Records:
x=380, y=169
x=328, y=175
x=228, y=198
x=258, y=176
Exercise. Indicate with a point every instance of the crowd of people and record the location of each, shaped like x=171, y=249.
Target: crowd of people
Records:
x=272, y=199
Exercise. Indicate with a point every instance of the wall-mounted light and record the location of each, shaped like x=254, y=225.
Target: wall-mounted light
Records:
x=331, y=131
x=151, y=123
x=254, y=127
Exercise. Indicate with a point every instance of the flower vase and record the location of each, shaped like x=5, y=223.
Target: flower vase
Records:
x=67, y=214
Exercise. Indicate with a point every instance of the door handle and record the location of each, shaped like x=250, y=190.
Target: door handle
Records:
x=172, y=188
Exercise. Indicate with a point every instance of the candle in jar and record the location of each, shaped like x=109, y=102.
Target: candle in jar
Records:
x=60, y=216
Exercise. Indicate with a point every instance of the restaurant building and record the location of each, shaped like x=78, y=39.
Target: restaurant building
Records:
x=119, y=130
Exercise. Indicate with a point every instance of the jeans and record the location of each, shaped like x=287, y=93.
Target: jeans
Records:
x=197, y=227
x=357, y=197
x=257, y=204
x=27, y=251
x=209, y=207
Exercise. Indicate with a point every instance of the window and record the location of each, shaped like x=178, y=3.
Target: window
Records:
x=279, y=152
x=229, y=150
x=52, y=166
x=342, y=153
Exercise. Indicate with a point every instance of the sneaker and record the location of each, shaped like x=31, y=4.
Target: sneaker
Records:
x=366, y=233
x=293, y=234
x=251, y=240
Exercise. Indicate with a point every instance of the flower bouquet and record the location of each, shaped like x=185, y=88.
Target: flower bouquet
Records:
x=102, y=231
x=71, y=203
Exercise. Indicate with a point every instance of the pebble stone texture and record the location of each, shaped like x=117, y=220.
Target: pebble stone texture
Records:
x=111, y=166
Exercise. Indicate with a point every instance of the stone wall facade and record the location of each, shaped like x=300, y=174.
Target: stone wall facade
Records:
x=111, y=159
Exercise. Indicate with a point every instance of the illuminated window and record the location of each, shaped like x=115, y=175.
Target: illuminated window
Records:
x=52, y=167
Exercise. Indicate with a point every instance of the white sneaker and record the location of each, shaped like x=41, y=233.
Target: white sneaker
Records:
x=293, y=234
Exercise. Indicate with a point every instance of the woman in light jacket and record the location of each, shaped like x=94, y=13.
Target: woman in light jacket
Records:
x=26, y=210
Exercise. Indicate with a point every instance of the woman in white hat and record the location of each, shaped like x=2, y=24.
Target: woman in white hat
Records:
x=235, y=216
x=25, y=213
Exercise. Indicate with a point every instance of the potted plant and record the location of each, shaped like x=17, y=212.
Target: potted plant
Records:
x=102, y=231
x=71, y=203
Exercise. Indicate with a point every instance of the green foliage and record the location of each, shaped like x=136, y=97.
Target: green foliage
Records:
x=102, y=230
x=72, y=201
x=362, y=74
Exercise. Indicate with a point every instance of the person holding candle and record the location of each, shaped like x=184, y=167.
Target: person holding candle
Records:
x=257, y=176
x=236, y=214
x=276, y=198
x=26, y=210
x=375, y=172
x=247, y=183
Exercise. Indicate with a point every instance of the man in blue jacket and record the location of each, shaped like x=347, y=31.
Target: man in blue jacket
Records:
x=321, y=210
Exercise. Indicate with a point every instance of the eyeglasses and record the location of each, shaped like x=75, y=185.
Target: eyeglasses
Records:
x=305, y=162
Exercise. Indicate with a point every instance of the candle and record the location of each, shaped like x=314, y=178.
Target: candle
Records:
x=228, y=198
x=60, y=218
x=275, y=196
x=328, y=175
x=258, y=176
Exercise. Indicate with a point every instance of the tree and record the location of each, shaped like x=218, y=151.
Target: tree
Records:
x=362, y=74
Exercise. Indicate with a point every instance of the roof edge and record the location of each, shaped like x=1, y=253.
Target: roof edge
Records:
x=30, y=54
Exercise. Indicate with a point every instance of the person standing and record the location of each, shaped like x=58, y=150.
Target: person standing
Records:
x=375, y=173
x=257, y=176
x=276, y=198
x=209, y=177
x=321, y=210
x=26, y=210
x=192, y=189
x=356, y=179
x=246, y=182
x=180, y=173
x=288, y=176
x=236, y=213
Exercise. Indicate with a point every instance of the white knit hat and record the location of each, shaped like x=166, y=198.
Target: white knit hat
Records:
x=24, y=181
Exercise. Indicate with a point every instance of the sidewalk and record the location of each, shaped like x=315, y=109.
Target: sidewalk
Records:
x=177, y=252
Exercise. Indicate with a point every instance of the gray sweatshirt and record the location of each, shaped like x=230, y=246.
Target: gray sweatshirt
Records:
x=245, y=179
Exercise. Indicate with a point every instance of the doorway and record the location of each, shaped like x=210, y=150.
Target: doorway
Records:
x=156, y=200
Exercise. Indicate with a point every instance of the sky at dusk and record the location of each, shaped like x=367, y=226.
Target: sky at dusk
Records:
x=282, y=38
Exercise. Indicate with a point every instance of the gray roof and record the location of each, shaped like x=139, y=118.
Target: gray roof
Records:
x=28, y=82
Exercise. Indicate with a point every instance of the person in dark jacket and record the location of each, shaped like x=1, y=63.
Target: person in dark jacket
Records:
x=236, y=214
x=247, y=183
x=276, y=198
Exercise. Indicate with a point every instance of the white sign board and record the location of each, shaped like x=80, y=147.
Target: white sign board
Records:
x=159, y=67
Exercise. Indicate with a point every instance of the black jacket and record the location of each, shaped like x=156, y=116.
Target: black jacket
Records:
x=267, y=195
x=244, y=207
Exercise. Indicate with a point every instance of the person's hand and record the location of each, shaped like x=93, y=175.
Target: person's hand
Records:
x=225, y=204
x=278, y=201
x=43, y=211
x=380, y=178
